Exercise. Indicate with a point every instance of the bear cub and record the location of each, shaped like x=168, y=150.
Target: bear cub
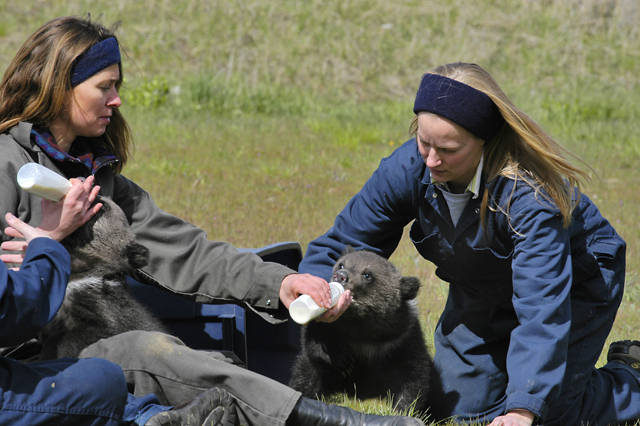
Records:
x=376, y=348
x=97, y=302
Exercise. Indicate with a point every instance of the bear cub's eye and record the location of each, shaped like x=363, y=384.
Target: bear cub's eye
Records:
x=367, y=276
x=341, y=266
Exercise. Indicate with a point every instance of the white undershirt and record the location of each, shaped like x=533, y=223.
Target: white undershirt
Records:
x=456, y=203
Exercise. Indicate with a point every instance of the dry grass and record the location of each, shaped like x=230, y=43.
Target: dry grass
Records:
x=258, y=120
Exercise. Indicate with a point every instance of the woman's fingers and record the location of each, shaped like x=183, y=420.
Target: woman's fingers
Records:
x=13, y=258
x=14, y=245
x=24, y=229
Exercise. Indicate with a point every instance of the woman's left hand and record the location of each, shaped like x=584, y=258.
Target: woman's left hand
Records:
x=334, y=313
x=514, y=418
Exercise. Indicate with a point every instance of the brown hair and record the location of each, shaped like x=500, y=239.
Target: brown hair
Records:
x=37, y=83
x=521, y=150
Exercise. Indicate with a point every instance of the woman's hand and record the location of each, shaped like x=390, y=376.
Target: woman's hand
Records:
x=517, y=417
x=59, y=219
x=296, y=284
x=74, y=210
x=341, y=305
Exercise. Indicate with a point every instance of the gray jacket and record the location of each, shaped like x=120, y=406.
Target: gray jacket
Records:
x=182, y=259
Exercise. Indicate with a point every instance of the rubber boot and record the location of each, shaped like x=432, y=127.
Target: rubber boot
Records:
x=626, y=352
x=311, y=412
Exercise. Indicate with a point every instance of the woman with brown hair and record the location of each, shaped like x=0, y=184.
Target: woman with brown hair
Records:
x=59, y=106
x=90, y=391
x=535, y=273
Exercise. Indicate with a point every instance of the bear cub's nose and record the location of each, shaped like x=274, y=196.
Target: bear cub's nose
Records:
x=340, y=276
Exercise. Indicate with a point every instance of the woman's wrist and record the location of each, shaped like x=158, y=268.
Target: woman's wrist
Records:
x=522, y=413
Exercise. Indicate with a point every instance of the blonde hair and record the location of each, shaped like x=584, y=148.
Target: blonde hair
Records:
x=521, y=150
x=36, y=87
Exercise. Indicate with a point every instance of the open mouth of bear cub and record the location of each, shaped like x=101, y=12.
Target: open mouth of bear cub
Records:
x=341, y=276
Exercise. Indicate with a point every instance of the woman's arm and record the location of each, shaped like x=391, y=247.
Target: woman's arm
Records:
x=375, y=217
x=542, y=276
x=30, y=297
x=184, y=260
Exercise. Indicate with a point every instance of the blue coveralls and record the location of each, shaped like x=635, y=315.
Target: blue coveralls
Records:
x=88, y=391
x=530, y=302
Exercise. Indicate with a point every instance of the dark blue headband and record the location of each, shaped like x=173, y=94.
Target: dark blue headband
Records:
x=460, y=103
x=96, y=58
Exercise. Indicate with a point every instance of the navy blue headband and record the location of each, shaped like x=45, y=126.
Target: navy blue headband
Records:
x=460, y=103
x=96, y=58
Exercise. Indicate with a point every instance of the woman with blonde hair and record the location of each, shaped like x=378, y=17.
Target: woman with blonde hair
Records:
x=535, y=273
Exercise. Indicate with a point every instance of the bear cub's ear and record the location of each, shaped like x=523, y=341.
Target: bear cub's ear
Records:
x=137, y=255
x=409, y=287
x=347, y=249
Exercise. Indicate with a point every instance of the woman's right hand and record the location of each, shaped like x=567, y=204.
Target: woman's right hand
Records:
x=294, y=285
x=517, y=417
x=74, y=210
x=59, y=219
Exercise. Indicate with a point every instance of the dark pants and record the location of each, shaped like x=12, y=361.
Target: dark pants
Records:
x=68, y=392
x=161, y=364
x=473, y=388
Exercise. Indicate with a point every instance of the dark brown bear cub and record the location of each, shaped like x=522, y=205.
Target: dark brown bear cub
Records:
x=376, y=348
x=97, y=302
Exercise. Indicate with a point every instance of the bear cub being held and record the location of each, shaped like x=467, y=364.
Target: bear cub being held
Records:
x=376, y=347
x=97, y=302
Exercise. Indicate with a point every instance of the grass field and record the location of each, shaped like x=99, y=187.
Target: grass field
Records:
x=258, y=120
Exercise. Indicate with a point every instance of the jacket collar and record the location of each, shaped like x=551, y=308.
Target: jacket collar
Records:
x=470, y=215
x=21, y=133
x=101, y=154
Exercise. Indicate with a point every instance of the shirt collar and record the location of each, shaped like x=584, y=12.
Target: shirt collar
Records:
x=474, y=185
x=81, y=152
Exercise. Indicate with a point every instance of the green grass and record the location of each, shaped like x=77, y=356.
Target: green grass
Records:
x=258, y=120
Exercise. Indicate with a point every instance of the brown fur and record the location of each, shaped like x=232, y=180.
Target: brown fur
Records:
x=376, y=347
x=97, y=303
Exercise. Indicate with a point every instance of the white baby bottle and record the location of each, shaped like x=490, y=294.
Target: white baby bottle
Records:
x=38, y=180
x=304, y=309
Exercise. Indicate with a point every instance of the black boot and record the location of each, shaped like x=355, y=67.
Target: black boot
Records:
x=626, y=352
x=311, y=412
x=213, y=407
